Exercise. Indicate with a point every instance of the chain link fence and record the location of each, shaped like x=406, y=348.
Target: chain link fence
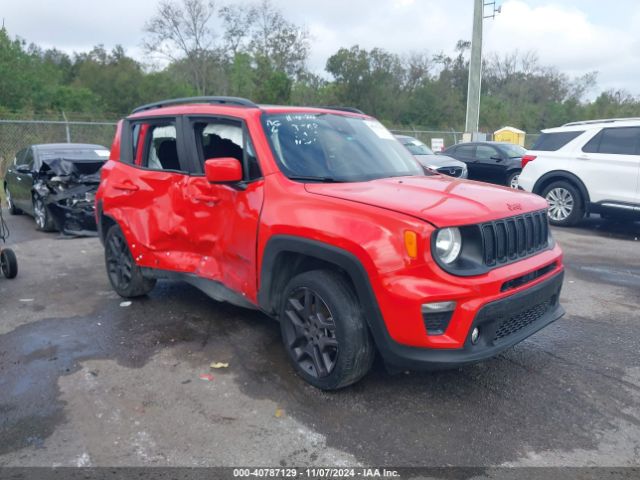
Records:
x=18, y=134
x=451, y=137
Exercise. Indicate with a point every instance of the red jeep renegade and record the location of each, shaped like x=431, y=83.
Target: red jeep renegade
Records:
x=320, y=218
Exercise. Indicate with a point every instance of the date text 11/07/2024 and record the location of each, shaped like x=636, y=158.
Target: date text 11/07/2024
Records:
x=315, y=472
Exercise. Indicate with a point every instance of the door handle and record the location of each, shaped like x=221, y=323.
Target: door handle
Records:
x=583, y=157
x=206, y=198
x=127, y=187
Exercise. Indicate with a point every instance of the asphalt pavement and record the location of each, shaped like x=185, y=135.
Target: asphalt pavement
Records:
x=87, y=379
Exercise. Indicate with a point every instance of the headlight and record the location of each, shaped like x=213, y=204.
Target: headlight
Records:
x=448, y=244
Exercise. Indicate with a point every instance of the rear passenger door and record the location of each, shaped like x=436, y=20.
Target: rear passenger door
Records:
x=145, y=190
x=223, y=217
x=609, y=165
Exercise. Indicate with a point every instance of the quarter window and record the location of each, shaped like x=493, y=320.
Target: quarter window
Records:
x=550, y=142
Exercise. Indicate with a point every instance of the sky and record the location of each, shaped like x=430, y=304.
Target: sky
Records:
x=575, y=36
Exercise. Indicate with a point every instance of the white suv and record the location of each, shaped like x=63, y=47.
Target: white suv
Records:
x=586, y=167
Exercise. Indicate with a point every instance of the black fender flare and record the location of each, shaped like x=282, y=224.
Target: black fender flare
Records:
x=343, y=259
x=563, y=175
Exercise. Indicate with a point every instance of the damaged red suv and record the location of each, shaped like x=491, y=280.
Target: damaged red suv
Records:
x=320, y=218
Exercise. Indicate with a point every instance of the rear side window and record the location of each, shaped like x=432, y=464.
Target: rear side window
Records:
x=550, y=142
x=155, y=146
x=484, y=152
x=466, y=151
x=615, y=141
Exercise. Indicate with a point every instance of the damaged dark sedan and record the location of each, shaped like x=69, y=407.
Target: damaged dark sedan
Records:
x=56, y=184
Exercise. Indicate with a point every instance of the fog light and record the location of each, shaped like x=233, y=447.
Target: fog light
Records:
x=474, y=335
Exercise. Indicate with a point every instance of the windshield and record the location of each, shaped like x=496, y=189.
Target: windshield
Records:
x=328, y=147
x=514, y=151
x=416, y=147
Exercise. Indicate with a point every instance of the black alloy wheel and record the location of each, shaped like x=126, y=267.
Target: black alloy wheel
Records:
x=310, y=332
x=125, y=276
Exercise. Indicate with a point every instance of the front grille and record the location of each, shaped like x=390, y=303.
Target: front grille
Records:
x=451, y=171
x=514, y=238
x=523, y=319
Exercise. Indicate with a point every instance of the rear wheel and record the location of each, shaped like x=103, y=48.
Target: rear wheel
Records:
x=566, y=206
x=8, y=263
x=125, y=276
x=41, y=215
x=512, y=179
x=324, y=332
x=13, y=210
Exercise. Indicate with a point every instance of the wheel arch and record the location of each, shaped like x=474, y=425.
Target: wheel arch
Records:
x=557, y=175
x=285, y=256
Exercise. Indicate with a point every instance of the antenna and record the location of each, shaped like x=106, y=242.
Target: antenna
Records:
x=495, y=10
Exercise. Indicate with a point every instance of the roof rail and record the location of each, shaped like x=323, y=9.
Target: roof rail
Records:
x=344, y=109
x=604, y=120
x=236, y=101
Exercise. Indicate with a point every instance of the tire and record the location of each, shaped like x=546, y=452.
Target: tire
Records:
x=13, y=210
x=512, y=179
x=566, y=205
x=8, y=263
x=41, y=215
x=124, y=275
x=323, y=330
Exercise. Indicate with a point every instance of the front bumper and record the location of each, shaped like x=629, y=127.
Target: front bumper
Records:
x=502, y=324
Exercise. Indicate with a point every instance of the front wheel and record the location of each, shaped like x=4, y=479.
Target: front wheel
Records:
x=323, y=330
x=566, y=206
x=8, y=263
x=41, y=215
x=125, y=276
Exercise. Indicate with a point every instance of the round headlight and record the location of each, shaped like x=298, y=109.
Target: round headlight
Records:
x=448, y=244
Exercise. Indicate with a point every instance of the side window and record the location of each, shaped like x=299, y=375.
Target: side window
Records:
x=19, y=156
x=226, y=138
x=155, y=146
x=615, y=141
x=466, y=151
x=483, y=152
x=28, y=158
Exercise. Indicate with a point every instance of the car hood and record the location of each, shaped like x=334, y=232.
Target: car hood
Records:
x=440, y=200
x=439, y=161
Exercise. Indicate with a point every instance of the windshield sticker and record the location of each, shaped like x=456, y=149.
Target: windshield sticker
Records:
x=379, y=129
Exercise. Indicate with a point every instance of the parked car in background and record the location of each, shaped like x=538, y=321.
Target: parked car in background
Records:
x=586, y=167
x=56, y=184
x=440, y=163
x=322, y=220
x=494, y=162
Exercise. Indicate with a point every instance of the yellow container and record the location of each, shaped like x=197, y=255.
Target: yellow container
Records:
x=509, y=134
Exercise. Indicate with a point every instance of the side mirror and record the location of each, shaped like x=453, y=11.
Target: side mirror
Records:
x=223, y=170
x=23, y=169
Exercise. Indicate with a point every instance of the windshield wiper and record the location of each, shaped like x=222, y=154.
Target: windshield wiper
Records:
x=311, y=178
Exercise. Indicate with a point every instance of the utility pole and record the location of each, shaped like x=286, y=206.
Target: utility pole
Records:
x=475, y=66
